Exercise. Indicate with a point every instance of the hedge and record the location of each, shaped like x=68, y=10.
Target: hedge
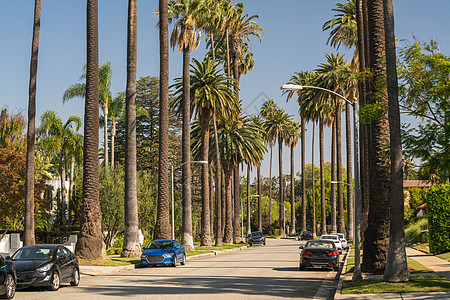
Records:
x=438, y=212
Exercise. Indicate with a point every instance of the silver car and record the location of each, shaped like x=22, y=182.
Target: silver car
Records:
x=341, y=237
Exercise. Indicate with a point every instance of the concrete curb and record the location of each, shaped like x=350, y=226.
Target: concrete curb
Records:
x=341, y=278
x=216, y=252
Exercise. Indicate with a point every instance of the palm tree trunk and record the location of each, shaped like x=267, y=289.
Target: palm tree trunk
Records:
x=376, y=236
x=237, y=202
x=219, y=236
x=206, y=230
x=292, y=192
x=396, y=266
x=29, y=238
x=350, y=216
x=224, y=204
x=113, y=135
x=105, y=133
x=333, y=178
x=270, y=191
x=72, y=170
x=258, y=174
x=90, y=243
x=162, y=227
x=303, y=174
x=63, y=187
x=228, y=238
x=249, y=227
x=281, y=188
x=187, y=239
x=211, y=203
x=340, y=200
x=313, y=182
x=131, y=247
x=323, y=205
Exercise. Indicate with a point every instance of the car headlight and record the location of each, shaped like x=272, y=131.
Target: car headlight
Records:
x=168, y=255
x=143, y=256
x=45, y=268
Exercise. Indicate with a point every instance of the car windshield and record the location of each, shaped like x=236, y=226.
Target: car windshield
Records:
x=340, y=235
x=318, y=244
x=33, y=253
x=160, y=245
x=329, y=237
x=257, y=233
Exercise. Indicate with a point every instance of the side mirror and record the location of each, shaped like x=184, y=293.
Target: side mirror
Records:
x=144, y=248
x=301, y=247
x=8, y=257
x=177, y=247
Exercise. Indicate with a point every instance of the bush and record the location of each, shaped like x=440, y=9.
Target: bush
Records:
x=113, y=251
x=438, y=212
x=417, y=232
x=118, y=241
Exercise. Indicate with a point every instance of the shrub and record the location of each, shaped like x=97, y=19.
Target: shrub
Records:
x=417, y=232
x=118, y=241
x=438, y=212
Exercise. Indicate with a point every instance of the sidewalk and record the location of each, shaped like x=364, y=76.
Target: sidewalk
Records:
x=439, y=266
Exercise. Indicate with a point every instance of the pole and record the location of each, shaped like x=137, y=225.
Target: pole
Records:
x=357, y=276
x=173, y=215
x=242, y=220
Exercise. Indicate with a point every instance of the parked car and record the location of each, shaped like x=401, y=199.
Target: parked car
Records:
x=46, y=265
x=305, y=235
x=256, y=237
x=343, y=240
x=335, y=240
x=322, y=253
x=7, y=278
x=163, y=252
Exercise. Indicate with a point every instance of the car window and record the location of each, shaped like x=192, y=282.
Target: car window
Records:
x=67, y=252
x=319, y=245
x=161, y=245
x=33, y=253
x=257, y=233
x=60, y=253
x=329, y=237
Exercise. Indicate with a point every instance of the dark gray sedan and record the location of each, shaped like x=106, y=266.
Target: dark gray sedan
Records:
x=321, y=253
x=256, y=237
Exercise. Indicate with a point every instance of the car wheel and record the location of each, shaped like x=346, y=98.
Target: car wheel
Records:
x=250, y=244
x=183, y=262
x=56, y=281
x=335, y=269
x=174, y=264
x=264, y=242
x=302, y=268
x=10, y=286
x=76, y=278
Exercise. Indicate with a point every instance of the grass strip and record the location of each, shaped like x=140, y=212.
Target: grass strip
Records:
x=197, y=252
x=445, y=256
x=422, y=284
x=109, y=262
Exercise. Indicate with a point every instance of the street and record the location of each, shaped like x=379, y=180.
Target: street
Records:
x=258, y=272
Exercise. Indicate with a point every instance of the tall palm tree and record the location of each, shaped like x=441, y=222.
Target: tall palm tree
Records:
x=396, y=266
x=267, y=110
x=131, y=246
x=186, y=37
x=58, y=137
x=78, y=90
x=30, y=160
x=239, y=140
x=294, y=133
x=209, y=92
x=259, y=123
x=277, y=128
x=162, y=227
x=116, y=112
x=75, y=152
x=90, y=243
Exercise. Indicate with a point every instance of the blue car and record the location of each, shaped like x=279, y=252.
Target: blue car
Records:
x=163, y=252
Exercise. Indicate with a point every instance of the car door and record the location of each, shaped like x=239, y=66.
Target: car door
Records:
x=63, y=262
x=178, y=251
x=3, y=270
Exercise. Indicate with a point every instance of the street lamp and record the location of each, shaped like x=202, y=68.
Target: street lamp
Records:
x=248, y=217
x=174, y=168
x=284, y=217
x=357, y=276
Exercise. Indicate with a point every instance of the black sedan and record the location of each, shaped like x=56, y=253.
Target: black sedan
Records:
x=46, y=265
x=256, y=237
x=7, y=279
x=305, y=235
x=319, y=253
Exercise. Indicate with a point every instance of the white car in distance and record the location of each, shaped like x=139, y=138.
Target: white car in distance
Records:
x=343, y=240
x=335, y=239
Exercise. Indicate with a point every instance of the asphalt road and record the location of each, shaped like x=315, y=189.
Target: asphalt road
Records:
x=258, y=272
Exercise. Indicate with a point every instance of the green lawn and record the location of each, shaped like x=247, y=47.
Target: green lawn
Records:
x=110, y=262
x=445, y=256
x=424, y=284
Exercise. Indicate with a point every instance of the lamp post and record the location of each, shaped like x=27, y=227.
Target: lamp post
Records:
x=357, y=276
x=174, y=168
x=284, y=216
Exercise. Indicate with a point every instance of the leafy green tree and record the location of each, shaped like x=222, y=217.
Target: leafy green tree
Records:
x=423, y=75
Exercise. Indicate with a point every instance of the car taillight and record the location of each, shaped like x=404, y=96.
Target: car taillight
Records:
x=306, y=252
x=334, y=253
x=344, y=241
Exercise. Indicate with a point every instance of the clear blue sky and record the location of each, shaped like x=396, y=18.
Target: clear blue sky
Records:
x=293, y=41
